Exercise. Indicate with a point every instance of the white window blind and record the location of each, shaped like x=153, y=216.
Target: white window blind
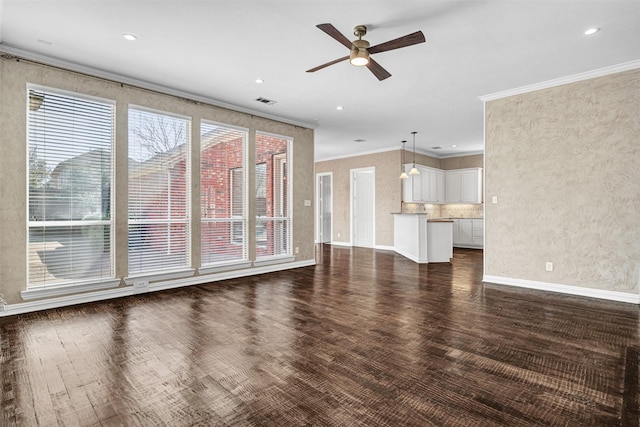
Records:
x=273, y=221
x=222, y=187
x=70, y=142
x=158, y=191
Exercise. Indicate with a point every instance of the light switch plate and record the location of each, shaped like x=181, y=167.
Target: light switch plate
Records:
x=307, y=202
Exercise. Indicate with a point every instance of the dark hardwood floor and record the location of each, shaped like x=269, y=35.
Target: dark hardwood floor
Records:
x=365, y=338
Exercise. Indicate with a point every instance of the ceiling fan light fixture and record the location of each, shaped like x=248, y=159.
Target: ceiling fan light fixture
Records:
x=359, y=60
x=359, y=55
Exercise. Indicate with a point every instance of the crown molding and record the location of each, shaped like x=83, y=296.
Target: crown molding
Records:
x=143, y=84
x=613, y=69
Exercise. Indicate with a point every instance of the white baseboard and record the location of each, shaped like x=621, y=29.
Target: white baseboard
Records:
x=86, y=297
x=334, y=243
x=385, y=248
x=565, y=289
x=409, y=256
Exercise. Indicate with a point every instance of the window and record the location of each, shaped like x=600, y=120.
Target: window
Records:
x=158, y=191
x=223, y=195
x=70, y=143
x=273, y=223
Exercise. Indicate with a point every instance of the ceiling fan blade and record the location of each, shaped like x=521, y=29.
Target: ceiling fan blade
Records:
x=408, y=40
x=377, y=70
x=320, y=67
x=333, y=32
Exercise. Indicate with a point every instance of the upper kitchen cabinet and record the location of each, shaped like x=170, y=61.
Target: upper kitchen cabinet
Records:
x=427, y=187
x=463, y=185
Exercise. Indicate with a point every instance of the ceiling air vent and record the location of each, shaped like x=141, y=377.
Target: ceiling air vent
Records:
x=359, y=140
x=265, y=101
x=436, y=148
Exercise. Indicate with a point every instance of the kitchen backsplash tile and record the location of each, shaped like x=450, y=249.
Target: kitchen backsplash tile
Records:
x=445, y=211
x=462, y=211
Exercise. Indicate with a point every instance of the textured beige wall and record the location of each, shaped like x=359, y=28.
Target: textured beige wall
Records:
x=565, y=165
x=474, y=161
x=388, y=192
x=14, y=77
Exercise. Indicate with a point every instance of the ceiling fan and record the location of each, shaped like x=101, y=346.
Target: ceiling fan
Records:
x=360, y=51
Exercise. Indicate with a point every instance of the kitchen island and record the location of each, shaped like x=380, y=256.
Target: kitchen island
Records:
x=421, y=239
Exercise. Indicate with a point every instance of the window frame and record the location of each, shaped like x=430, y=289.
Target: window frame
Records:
x=75, y=284
x=154, y=272
x=279, y=161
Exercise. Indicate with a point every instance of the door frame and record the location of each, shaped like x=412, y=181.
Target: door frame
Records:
x=352, y=175
x=319, y=206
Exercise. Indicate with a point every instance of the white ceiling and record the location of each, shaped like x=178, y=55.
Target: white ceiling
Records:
x=217, y=49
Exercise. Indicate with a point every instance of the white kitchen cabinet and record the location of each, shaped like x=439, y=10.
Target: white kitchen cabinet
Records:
x=463, y=185
x=477, y=233
x=420, y=240
x=433, y=189
x=468, y=233
x=411, y=187
x=427, y=187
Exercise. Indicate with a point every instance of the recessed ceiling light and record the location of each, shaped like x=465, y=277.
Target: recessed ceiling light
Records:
x=591, y=31
x=453, y=146
x=259, y=81
x=130, y=37
x=339, y=107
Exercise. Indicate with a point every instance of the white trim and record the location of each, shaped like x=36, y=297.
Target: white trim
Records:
x=465, y=154
x=158, y=276
x=48, y=291
x=384, y=247
x=352, y=176
x=564, y=289
x=410, y=256
x=200, y=280
x=625, y=66
x=278, y=259
x=120, y=78
x=335, y=243
x=87, y=297
x=319, y=206
x=213, y=268
x=358, y=154
x=28, y=307
x=469, y=246
x=384, y=150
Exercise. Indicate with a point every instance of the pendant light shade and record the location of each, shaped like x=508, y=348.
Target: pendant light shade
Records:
x=414, y=170
x=403, y=174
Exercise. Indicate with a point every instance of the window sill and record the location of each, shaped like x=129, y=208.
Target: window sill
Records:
x=277, y=259
x=217, y=268
x=48, y=291
x=159, y=276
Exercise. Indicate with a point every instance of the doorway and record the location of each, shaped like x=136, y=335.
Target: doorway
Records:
x=324, y=217
x=363, y=207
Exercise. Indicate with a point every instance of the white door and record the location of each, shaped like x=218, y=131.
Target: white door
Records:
x=324, y=208
x=363, y=207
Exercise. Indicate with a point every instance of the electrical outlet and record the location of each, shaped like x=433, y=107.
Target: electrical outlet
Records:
x=338, y=234
x=549, y=266
x=140, y=286
x=297, y=250
x=494, y=199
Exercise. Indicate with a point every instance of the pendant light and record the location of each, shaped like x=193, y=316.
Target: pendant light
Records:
x=403, y=174
x=414, y=170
